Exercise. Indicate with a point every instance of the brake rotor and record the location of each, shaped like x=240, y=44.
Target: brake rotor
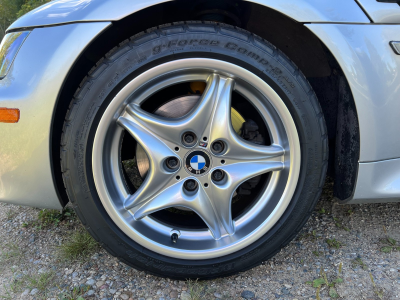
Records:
x=178, y=108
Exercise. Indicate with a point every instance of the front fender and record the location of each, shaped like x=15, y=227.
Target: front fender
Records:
x=72, y=11
x=33, y=85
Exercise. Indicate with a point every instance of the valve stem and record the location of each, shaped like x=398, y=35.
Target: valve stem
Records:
x=174, y=238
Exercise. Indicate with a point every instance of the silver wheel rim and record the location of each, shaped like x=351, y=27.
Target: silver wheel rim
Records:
x=159, y=137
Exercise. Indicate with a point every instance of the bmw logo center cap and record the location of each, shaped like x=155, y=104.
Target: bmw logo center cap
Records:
x=197, y=162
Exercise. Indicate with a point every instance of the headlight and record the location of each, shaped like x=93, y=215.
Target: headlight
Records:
x=9, y=48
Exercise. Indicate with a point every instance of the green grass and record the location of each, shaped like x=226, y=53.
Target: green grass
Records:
x=317, y=253
x=389, y=245
x=50, y=218
x=9, y=253
x=308, y=235
x=339, y=224
x=10, y=214
x=331, y=285
x=75, y=294
x=359, y=263
x=199, y=290
x=333, y=243
x=42, y=282
x=79, y=246
x=378, y=292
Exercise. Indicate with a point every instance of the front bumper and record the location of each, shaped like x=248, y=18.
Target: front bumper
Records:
x=32, y=85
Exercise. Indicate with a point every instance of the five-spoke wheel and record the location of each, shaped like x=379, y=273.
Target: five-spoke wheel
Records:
x=209, y=172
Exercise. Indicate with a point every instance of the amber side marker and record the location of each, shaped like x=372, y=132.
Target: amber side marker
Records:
x=9, y=115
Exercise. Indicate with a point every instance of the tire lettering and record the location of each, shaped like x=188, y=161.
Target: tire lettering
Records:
x=156, y=49
x=253, y=56
x=231, y=46
x=172, y=43
x=242, y=51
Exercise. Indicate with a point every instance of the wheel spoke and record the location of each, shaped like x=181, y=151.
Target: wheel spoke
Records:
x=236, y=174
x=241, y=150
x=175, y=196
x=172, y=129
x=221, y=129
x=158, y=176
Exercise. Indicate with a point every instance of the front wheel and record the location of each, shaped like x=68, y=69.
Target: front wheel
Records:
x=194, y=150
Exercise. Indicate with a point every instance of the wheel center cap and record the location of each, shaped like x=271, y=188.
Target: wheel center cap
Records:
x=197, y=162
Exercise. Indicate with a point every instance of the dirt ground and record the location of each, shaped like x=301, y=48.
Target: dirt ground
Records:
x=344, y=252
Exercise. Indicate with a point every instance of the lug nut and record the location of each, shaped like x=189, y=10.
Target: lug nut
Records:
x=218, y=175
x=218, y=147
x=189, y=138
x=191, y=185
x=172, y=162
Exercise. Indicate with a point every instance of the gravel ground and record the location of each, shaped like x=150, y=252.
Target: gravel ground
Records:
x=359, y=253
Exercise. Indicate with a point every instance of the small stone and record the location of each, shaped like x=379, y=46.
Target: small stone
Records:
x=26, y=292
x=285, y=291
x=90, y=293
x=185, y=296
x=288, y=286
x=112, y=291
x=34, y=292
x=124, y=297
x=90, y=282
x=42, y=270
x=248, y=295
x=174, y=294
x=217, y=295
x=99, y=283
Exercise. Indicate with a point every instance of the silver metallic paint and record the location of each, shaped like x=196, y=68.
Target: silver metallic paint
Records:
x=32, y=85
x=373, y=72
x=381, y=12
x=70, y=11
x=378, y=182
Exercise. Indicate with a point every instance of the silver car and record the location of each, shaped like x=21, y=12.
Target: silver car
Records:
x=193, y=138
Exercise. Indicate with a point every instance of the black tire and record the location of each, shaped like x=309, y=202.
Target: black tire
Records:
x=180, y=40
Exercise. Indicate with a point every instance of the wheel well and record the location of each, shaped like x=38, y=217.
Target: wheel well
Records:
x=291, y=37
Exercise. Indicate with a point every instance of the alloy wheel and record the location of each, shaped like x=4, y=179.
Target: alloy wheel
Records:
x=196, y=162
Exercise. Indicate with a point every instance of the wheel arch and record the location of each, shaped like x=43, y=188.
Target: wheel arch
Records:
x=295, y=40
